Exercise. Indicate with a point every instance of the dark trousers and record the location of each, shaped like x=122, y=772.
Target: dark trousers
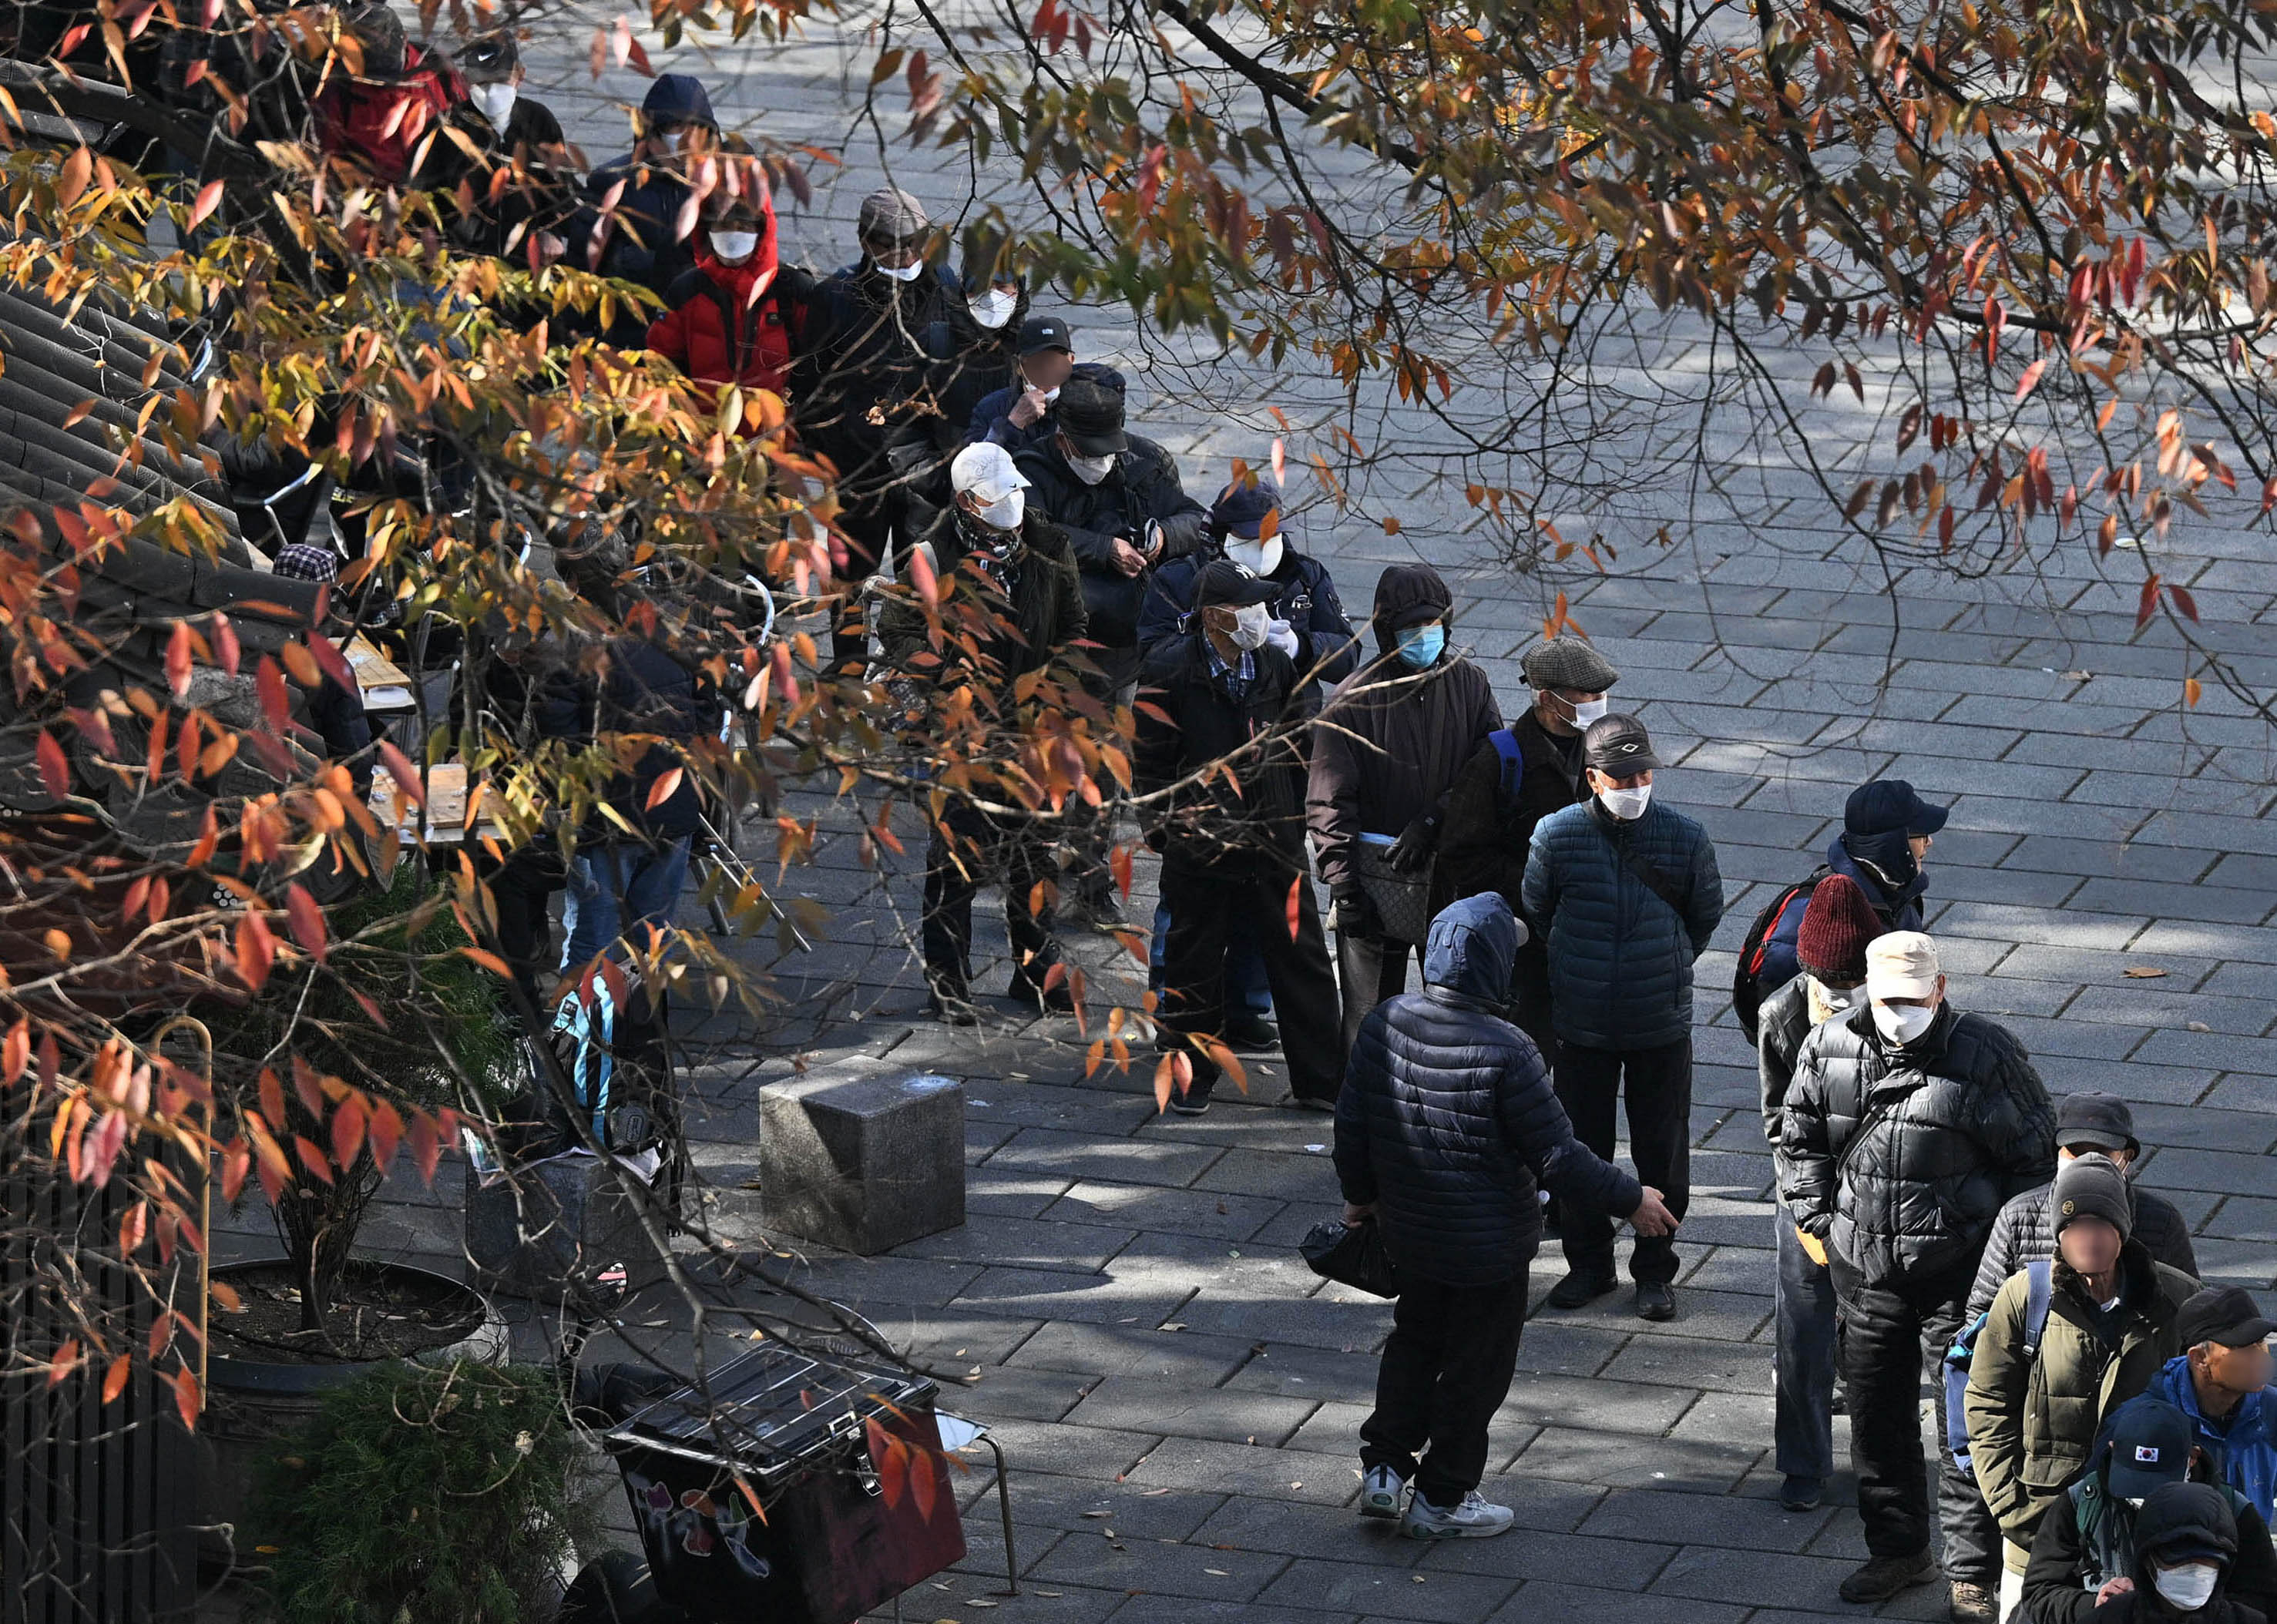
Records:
x=1893, y=1341
x=1446, y=1371
x=1371, y=969
x=1206, y=901
x=522, y=889
x=1658, y=1086
x=970, y=849
x=1245, y=986
x=1806, y=1315
x=1091, y=833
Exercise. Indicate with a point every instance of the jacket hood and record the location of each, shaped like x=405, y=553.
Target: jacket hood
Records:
x=1472, y=945
x=738, y=278
x=2185, y=1510
x=1882, y=863
x=677, y=98
x=1404, y=594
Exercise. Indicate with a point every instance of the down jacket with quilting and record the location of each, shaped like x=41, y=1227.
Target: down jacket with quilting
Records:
x=1900, y=1156
x=1620, y=957
x=2024, y=1233
x=1447, y=1118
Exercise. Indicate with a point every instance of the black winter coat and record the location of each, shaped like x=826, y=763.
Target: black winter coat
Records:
x=639, y=691
x=1447, y=1120
x=859, y=348
x=992, y=414
x=1044, y=614
x=1900, y=1159
x=2069, y=1564
x=1620, y=957
x=2178, y=1510
x=1781, y=1024
x=1143, y=485
x=1483, y=844
x=2023, y=1233
x=1326, y=651
x=1259, y=815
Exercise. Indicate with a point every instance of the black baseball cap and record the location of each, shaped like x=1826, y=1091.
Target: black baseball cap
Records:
x=1236, y=585
x=1045, y=332
x=2098, y=1120
x=1886, y=805
x=2149, y=1447
x=2223, y=1314
x=1618, y=745
x=1091, y=416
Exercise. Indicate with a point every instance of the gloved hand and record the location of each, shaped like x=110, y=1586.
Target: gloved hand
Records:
x=1279, y=633
x=1813, y=1247
x=1416, y=843
x=1356, y=915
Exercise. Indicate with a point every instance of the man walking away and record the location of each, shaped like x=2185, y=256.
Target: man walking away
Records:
x=1216, y=753
x=1391, y=739
x=1836, y=929
x=2038, y=1393
x=2218, y=1380
x=1625, y=890
x=1522, y=774
x=1907, y=1126
x=1446, y=1124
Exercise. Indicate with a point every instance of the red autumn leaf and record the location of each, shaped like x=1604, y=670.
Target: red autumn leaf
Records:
x=2183, y=601
x=334, y=662
x=426, y=1145
x=666, y=785
x=384, y=1133
x=209, y=200
x=2149, y=605
x=55, y=775
x=269, y=682
x=114, y=1379
x=405, y=776
x=924, y=1484
x=273, y=1099
x=65, y=1360
x=347, y=1132
x=188, y=1400
x=15, y=1052
x=257, y=951
x=1165, y=1076
x=178, y=659
x=1118, y=863
x=1293, y=911
x=305, y=920
x=236, y=1162
x=312, y=1157
x=225, y=637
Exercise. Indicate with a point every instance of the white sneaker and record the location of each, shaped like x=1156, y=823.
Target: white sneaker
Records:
x=1380, y=1490
x=1473, y=1518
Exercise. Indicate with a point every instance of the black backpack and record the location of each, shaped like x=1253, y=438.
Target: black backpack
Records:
x=1747, y=989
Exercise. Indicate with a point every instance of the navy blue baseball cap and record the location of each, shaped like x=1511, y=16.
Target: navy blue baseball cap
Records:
x=1045, y=332
x=2149, y=1447
x=1241, y=507
x=1886, y=805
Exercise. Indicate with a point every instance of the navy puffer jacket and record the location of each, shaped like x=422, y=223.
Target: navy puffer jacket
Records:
x=1901, y=1158
x=1620, y=958
x=1447, y=1118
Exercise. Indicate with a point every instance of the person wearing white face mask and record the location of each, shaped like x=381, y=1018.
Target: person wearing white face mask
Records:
x=729, y=319
x=1910, y=1124
x=1020, y=415
x=522, y=135
x=2187, y=1560
x=1625, y=890
x=637, y=234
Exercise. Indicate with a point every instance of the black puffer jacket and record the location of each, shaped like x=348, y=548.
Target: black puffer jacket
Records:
x=857, y=352
x=2181, y=1510
x=1447, y=1118
x=2023, y=1234
x=1782, y=1024
x=1143, y=485
x=1900, y=1159
x=1393, y=738
x=1188, y=719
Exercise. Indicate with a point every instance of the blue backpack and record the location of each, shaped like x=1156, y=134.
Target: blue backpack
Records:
x=2040, y=1272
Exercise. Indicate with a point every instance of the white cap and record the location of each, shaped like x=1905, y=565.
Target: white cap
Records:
x=1902, y=965
x=984, y=470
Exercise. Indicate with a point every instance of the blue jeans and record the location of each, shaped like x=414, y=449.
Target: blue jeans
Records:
x=1803, y=1423
x=1245, y=986
x=618, y=888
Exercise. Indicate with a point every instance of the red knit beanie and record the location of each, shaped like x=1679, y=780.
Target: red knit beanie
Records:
x=1836, y=926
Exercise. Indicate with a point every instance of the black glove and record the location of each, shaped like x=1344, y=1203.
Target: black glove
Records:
x=1416, y=843
x=1356, y=915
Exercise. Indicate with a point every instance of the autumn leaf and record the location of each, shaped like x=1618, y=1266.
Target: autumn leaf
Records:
x=1292, y=911
x=256, y=950
x=209, y=198
x=55, y=776
x=189, y=1399
x=305, y=920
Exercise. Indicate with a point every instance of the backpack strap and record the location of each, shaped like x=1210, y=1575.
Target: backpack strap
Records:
x=1513, y=760
x=2039, y=1276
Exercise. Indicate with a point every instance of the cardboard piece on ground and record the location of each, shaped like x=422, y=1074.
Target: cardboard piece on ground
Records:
x=386, y=688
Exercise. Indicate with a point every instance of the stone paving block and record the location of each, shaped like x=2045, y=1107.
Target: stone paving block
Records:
x=1733, y=1269
x=1222, y=1271
x=1027, y=1243
x=1157, y=1568
x=860, y=1281
x=1051, y=1294
x=1069, y=1451
x=954, y=1339
x=2223, y=903
x=1324, y=1323
x=1575, y=1401
x=1248, y=1524
x=2105, y=859
x=1239, y=1468
x=2202, y=1128
x=1171, y=1610
x=1156, y=1209
x=1732, y=1316
x=1294, y=1221
x=1336, y=1426
x=1685, y=1361
x=1135, y=1403
x=1704, y=1519
x=1297, y=1176
x=2257, y=946
x=2173, y=1046
x=1135, y=1160
x=2243, y=981
x=1142, y=1351
x=1067, y=1603
x=1753, y=1578
x=2147, y=1003
x=1558, y=1559
x=1624, y=1460
x=1382, y=1593
x=2074, y=928
x=1544, y=1602
x=1013, y=1393
x=1049, y=1500
x=2013, y=887
x=984, y=1554
x=1297, y=1371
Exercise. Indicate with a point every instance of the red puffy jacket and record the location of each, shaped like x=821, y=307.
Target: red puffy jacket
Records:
x=381, y=124
x=714, y=331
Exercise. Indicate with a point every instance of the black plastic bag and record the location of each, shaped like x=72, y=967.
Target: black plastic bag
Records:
x=1351, y=1253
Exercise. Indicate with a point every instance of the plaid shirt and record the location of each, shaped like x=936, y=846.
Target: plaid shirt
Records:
x=1234, y=679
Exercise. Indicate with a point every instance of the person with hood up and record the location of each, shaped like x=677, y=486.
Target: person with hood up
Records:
x=728, y=320
x=2219, y=1380
x=1392, y=739
x=1625, y=890
x=2083, y=1554
x=2186, y=1547
x=637, y=235
x=1909, y=1126
x=394, y=101
x=1522, y=774
x=1019, y=414
x=1887, y=830
x=1446, y=1126
x=1836, y=929
x=1232, y=842
x=2038, y=1397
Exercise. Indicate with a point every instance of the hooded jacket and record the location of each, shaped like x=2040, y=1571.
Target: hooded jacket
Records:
x=1901, y=1158
x=2033, y=1419
x=714, y=331
x=2242, y=1447
x=2183, y=1508
x=1884, y=867
x=1620, y=957
x=1448, y=1122
x=1042, y=616
x=1326, y=650
x=1143, y=485
x=644, y=242
x=1187, y=720
x=1391, y=738
x=2023, y=1232
x=379, y=124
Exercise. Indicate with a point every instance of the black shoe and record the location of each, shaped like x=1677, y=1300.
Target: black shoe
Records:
x=1655, y=1300
x=1057, y=999
x=1800, y=1493
x=1248, y=1032
x=1192, y=1103
x=1100, y=912
x=1883, y=1576
x=1306, y=1102
x=1577, y=1290
x=951, y=1009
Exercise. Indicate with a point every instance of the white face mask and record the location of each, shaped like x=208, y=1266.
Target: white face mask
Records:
x=1091, y=470
x=1251, y=622
x=1257, y=557
x=1628, y=805
x=2189, y=1588
x=1590, y=710
x=1004, y=512
x=734, y=246
x=497, y=102
x=1837, y=1000
x=995, y=307
x=903, y=273
x=1051, y=395
x=1904, y=1022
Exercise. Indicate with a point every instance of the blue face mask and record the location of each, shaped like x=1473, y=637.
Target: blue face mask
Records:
x=1421, y=646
